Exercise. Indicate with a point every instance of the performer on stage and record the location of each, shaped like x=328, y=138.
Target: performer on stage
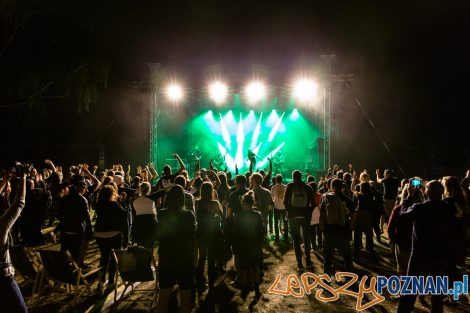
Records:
x=278, y=161
x=252, y=158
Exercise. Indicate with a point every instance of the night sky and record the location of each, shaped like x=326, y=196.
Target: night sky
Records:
x=410, y=62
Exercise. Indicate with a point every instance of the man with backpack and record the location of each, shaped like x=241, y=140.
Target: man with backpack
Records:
x=299, y=202
x=335, y=211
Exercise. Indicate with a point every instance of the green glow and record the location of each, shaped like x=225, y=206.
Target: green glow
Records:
x=254, y=138
x=275, y=129
x=228, y=158
x=273, y=118
x=240, y=141
x=233, y=133
x=230, y=122
x=294, y=115
x=225, y=133
x=270, y=155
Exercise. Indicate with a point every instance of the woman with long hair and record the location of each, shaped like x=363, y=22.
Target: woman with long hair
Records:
x=176, y=229
x=208, y=215
x=400, y=230
x=248, y=234
x=222, y=193
x=111, y=229
x=363, y=218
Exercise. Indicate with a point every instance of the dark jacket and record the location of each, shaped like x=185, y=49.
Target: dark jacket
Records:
x=74, y=216
x=111, y=216
x=248, y=232
x=176, y=233
x=400, y=229
x=433, y=233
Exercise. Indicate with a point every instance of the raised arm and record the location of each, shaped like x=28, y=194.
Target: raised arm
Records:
x=4, y=181
x=11, y=215
x=354, y=182
x=197, y=167
x=214, y=178
x=94, y=181
x=379, y=177
x=211, y=165
x=128, y=174
x=182, y=166
x=153, y=171
x=50, y=164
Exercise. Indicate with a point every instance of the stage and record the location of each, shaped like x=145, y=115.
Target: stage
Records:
x=290, y=139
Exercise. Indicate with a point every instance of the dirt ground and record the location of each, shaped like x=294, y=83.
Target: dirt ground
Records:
x=280, y=259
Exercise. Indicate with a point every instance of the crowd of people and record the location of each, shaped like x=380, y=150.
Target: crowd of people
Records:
x=202, y=220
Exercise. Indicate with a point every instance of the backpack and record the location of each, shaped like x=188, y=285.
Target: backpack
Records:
x=335, y=210
x=299, y=198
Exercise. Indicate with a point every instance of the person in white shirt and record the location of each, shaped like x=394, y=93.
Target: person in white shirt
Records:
x=278, y=192
x=144, y=230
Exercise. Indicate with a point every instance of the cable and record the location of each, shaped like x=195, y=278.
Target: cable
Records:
x=359, y=104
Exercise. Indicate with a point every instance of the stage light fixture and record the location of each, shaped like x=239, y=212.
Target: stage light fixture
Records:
x=305, y=90
x=218, y=92
x=174, y=92
x=294, y=115
x=255, y=91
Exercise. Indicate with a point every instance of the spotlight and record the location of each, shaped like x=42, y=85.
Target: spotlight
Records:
x=305, y=90
x=218, y=92
x=174, y=92
x=294, y=115
x=255, y=91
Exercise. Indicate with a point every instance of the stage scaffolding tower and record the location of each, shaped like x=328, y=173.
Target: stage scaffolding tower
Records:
x=155, y=107
x=327, y=82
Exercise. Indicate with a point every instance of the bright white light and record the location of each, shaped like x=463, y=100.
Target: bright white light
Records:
x=174, y=92
x=218, y=92
x=305, y=90
x=255, y=91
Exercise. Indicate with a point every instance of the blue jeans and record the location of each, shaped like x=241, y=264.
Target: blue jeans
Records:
x=295, y=225
x=11, y=298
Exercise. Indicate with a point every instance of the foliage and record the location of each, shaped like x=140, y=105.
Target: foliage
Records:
x=33, y=76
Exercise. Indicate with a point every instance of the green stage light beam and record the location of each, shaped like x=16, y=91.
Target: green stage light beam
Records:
x=209, y=115
x=274, y=130
x=271, y=154
x=240, y=131
x=225, y=133
x=228, y=158
x=272, y=118
x=240, y=141
x=230, y=123
x=254, y=138
x=211, y=122
x=249, y=122
x=255, y=151
x=294, y=116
